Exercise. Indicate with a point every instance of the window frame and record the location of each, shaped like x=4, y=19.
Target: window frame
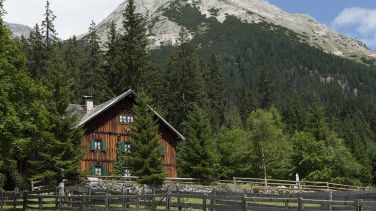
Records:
x=126, y=117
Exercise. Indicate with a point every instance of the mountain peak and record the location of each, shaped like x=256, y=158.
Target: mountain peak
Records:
x=163, y=30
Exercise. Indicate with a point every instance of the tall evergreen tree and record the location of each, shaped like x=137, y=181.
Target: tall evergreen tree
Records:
x=145, y=158
x=316, y=123
x=186, y=85
x=136, y=69
x=36, y=53
x=246, y=104
x=295, y=114
x=216, y=89
x=113, y=65
x=93, y=78
x=266, y=89
x=48, y=27
x=196, y=154
x=24, y=119
x=120, y=163
x=61, y=150
x=74, y=60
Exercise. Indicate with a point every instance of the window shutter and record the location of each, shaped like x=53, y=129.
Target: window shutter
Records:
x=103, y=145
x=123, y=147
x=92, y=145
x=92, y=170
x=104, y=171
x=162, y=151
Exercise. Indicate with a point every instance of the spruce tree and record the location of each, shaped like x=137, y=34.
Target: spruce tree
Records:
x=136, y=69
x=113, y=65
x=93, y=78
x=295, y=114
x=61, y=150
x=246, y=104
x=36, y=53
x=48, y=27
x=185, y=82
x=196, y=154
x=74, y=60
x=145, y=158
x=266, y=89
x=120, y=163
x=216, y=89
x=316, y=123
x=24, y=119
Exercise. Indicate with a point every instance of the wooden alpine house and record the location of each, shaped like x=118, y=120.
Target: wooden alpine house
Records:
x=111, y=121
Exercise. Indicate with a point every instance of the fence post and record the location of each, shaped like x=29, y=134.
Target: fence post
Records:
x=2, y=199
x=330, y=207
x=244, y=203
x=127, y=201
x=24, y=200
x=327, y=185
x=168, y=200
x=204, y=202
x=180, y=207
x=359, y=205
x=15, y=199
x=138, y=201
x=300, y=204
x=123, y=198
x=40, y=202
x=234, y=180
x=83, y=202
x=212, y=200
x=107, y=202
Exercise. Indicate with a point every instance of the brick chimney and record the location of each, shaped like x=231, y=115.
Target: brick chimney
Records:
x=89, y=104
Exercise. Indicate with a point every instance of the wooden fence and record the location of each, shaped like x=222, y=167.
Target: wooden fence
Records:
x=33, y=201
x=257, y=182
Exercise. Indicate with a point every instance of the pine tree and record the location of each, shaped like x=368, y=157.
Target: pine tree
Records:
x=145, y=158
x=195, y=155
x=137, y=70
x=295, y=114
x=246, y=104
x=186, y=85
x=93, y=78
x=48, y=27
x=36, y=53
x=216, y=89
x=120, y=163
x=23, y=115
x=266, y=89
x=113, y=65
x=316, y=123
x=74, y=60
x=61, y=150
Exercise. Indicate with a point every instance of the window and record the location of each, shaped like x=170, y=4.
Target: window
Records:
x=98, y=171
x=98, y=145
x=126, y=117
x=125, y=147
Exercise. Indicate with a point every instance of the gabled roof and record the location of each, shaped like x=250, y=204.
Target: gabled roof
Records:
x=104, y=106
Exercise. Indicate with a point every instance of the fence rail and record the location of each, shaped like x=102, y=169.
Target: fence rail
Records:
x=254, y=182
x=168, y=201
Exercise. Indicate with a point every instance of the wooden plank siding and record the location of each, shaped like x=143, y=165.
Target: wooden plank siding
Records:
x=106, y=126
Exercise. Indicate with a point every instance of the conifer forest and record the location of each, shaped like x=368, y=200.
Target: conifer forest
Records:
x=255, y=103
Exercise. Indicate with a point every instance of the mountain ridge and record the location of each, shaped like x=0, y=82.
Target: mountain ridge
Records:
x=164, y=31
x=18, y=30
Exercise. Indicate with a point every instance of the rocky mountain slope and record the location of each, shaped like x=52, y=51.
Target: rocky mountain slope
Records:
x=163, y=30
x=19, y=30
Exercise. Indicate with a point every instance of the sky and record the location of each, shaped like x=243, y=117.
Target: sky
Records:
x=354, y=18
x=73, y=16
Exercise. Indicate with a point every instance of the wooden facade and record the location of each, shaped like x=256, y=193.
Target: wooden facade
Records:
x=106, y=127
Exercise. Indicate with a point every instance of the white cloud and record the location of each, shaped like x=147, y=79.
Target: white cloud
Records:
x=364, y=18
x=362, y=22
x=73, y=16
